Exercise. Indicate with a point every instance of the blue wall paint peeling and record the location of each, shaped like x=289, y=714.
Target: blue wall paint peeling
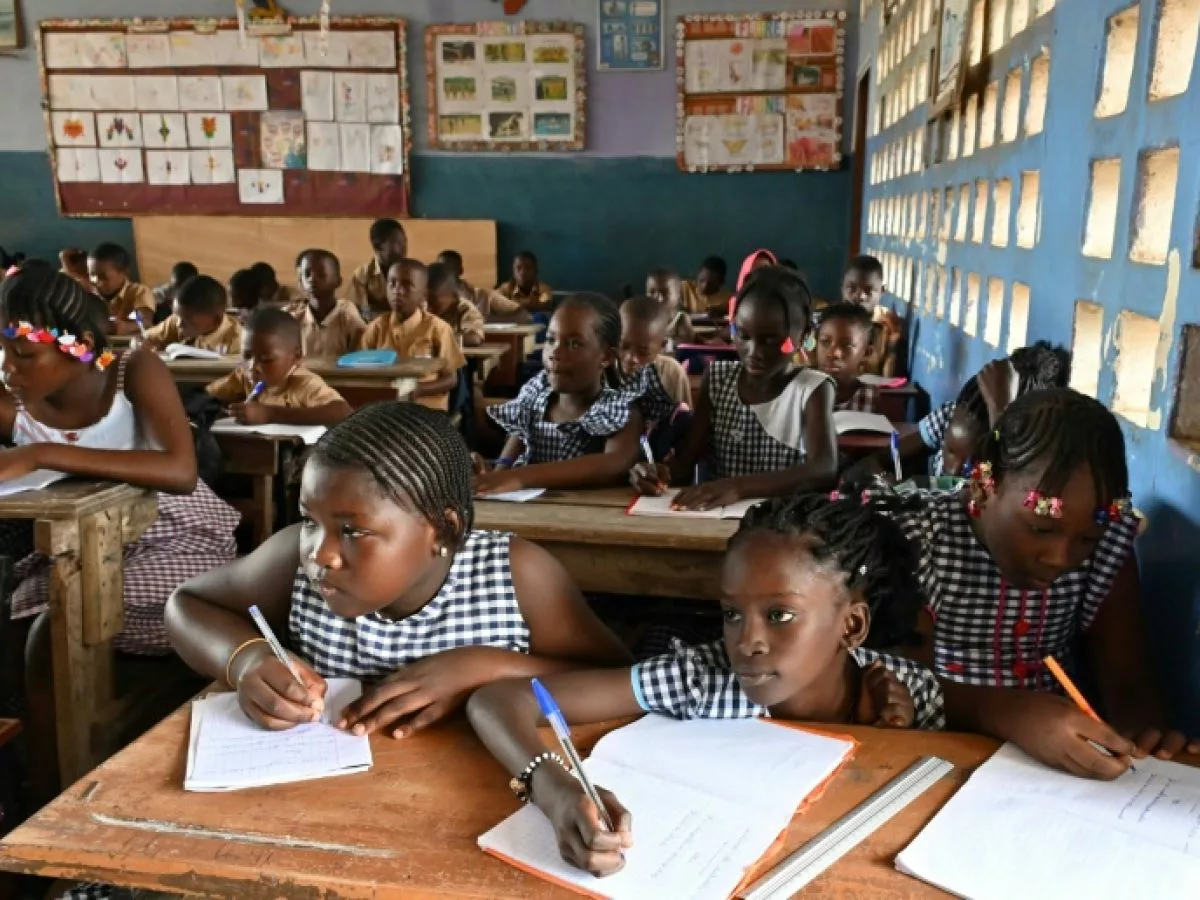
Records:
x=1164, y=485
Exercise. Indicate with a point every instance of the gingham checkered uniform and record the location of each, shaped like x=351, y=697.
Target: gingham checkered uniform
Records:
x=986, y=635
x=933, y=431
x=697, y=682
x=192, y=534
x=862, y=400
x=476, y=606
x=546, y=441
x=740, y=443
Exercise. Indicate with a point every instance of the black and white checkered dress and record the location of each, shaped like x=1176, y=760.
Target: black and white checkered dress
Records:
x=933, y=431
x=546, y=441
x=476, y=606
x=740, y=443
x=987, y=632
x=697, y=682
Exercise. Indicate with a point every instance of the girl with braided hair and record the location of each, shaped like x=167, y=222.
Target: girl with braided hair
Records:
x=809, y=582
x=386, y=581
x=1033, y=558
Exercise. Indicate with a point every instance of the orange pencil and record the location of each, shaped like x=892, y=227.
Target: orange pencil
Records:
x=1075, y=694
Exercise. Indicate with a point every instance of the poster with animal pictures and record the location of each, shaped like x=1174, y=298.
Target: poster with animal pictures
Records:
x=760, y=91
x=190, y=116
x=504, y=86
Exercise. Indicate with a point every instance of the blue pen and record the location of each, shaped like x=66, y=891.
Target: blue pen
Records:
x=256, y=391
x=555, y=717
x=896, y=457
x=137, y=317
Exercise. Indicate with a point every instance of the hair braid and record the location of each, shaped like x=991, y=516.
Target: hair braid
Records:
x=867, y=546
x=415, y=457
x=1038, y=367
x=44, y=298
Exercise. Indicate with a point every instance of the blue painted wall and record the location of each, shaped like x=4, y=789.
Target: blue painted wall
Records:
x=1165, y=481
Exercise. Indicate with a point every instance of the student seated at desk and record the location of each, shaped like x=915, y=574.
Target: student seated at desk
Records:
x=411, y=330
x=644, y=323
x=843, y=353
x=71, y=407
x=198, y=319
x=448, y=304
x=243, y=293
x=165, y=293
x=73, y=263
x=1034, y=557
x=523, y=293
x=385, y=580
x=708, y=291
x=477, y=297
x=329, y=327
x=270, y=291
x=862, y=285
x=664, y=287
x=808, y=584
x=291, y=394
x=578, y=422
x=764, y=424
x=368, y=288
x=108, y=267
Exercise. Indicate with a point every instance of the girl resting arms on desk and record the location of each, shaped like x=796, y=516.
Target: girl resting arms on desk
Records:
x=807, y=584
x=1033, y=558
x=72, y=407
x=764, y=424
x=384, y=580
x=577, y=423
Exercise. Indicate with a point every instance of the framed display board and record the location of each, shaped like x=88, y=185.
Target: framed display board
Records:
x=629, y=35
x=760, y=92
x=505, y=86
x=187, y=116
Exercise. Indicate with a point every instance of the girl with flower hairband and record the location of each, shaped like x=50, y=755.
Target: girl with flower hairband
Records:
x=1035, y=558
x=71, y=406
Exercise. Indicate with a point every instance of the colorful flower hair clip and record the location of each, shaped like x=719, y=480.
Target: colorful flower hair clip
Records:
x=981, y=486
x=1116, y=510
x=835, y=496
x=81, y=350
x=1051, y=507
x=105, y=359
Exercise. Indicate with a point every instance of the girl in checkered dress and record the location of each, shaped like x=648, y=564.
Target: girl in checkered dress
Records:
x=384, y=580
x=843, y=353
x=763, y=424
x=577, y=423
x=809, y=582
x=1033, y=559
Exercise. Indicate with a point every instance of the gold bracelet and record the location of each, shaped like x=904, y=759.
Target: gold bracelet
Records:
x=233, y=656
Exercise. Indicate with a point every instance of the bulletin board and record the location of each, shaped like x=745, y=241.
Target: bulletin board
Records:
x=760, y=92
x=504, y=86
x=188, y=116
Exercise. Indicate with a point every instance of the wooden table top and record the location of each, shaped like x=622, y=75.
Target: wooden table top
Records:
x=70, y=499
x=485, y=351
x=495, y=329
x=598, y=517
x=409, y=367
x=407, y=828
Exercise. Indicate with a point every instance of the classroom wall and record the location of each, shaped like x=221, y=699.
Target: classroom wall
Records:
x=1120, y=243
x=598, y=219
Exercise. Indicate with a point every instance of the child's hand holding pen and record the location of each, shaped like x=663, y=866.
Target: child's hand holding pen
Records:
x=270, y=695
x=583, y=839
x=650, y=477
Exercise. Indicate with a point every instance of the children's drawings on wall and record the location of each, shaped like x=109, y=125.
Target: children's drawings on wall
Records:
x=282, y=136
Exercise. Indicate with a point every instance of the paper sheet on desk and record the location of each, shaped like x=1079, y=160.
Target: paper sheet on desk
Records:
x=34, y=481
x=310, y=434
x=523, y=496
x=1021, y=829
x=661, y=507
x=228, y=752
x=848, y=420
x=186, y=351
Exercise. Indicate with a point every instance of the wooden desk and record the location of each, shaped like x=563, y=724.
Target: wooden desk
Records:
x=860, y=443
x=521, y=340
x=486, y=357
x=406, y=829
x=609, y=552
x=84, y=526
x=259, y=457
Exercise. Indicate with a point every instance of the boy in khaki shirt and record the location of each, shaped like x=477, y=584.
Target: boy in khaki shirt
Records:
x=413, y=332
x=708, y=292
x=523, y=293
x=290, y=394
x=368, y=283
x=108, y=268
x=198, y=319
x=329, y=327
x=448, y=305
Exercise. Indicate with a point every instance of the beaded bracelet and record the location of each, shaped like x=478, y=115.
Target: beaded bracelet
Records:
x=504, y=462
x=520, y=784
x=232, y=656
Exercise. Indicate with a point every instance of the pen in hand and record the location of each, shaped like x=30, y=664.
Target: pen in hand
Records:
x=1081, y=701
x=276, y=647
x=556, y=721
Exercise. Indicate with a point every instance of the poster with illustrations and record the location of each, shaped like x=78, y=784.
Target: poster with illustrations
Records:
x=760, y=91
x=177, y=115
x=953, y=27
x=506, y=86
x=629, y=35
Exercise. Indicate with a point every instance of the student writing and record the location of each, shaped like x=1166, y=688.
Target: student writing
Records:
x=165, y=294
x=451, y=307
x=477, y=297
x=198, y=319
x=808, y=583
x=329, y=327
x=386, y=580
x=108, y=267
x=764, y=424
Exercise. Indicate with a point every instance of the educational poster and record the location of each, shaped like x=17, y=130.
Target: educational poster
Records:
x=760, y=91
x=181, y=116
x=629, y=34
x=953, y=26
x=502, y=86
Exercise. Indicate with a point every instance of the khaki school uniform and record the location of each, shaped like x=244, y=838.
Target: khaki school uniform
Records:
x=421, y=335
x=132, y=296
x=465, y=319
x=169, y=331
x=368, y=286
x=510, y=298
x=696, y=302
x=302, y=390
x=286, y=296
x=338, y=335
x=674, y=378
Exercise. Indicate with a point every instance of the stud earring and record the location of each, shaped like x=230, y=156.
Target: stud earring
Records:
x=443, y=551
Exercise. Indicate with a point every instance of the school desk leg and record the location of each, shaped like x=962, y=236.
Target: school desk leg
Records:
x=264, y=502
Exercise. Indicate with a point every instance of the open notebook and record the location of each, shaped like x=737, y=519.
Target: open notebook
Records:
x=310, y=434
x=228, y=752
x=185, y=351
x=1018, y=828
x=34, y=481
x=661, y=506
x=708, y=799
x=848, y=420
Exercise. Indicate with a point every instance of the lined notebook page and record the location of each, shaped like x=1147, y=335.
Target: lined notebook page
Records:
x=228, y=752
x=1020, y=829
x=310, y=434
x=661, y=506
